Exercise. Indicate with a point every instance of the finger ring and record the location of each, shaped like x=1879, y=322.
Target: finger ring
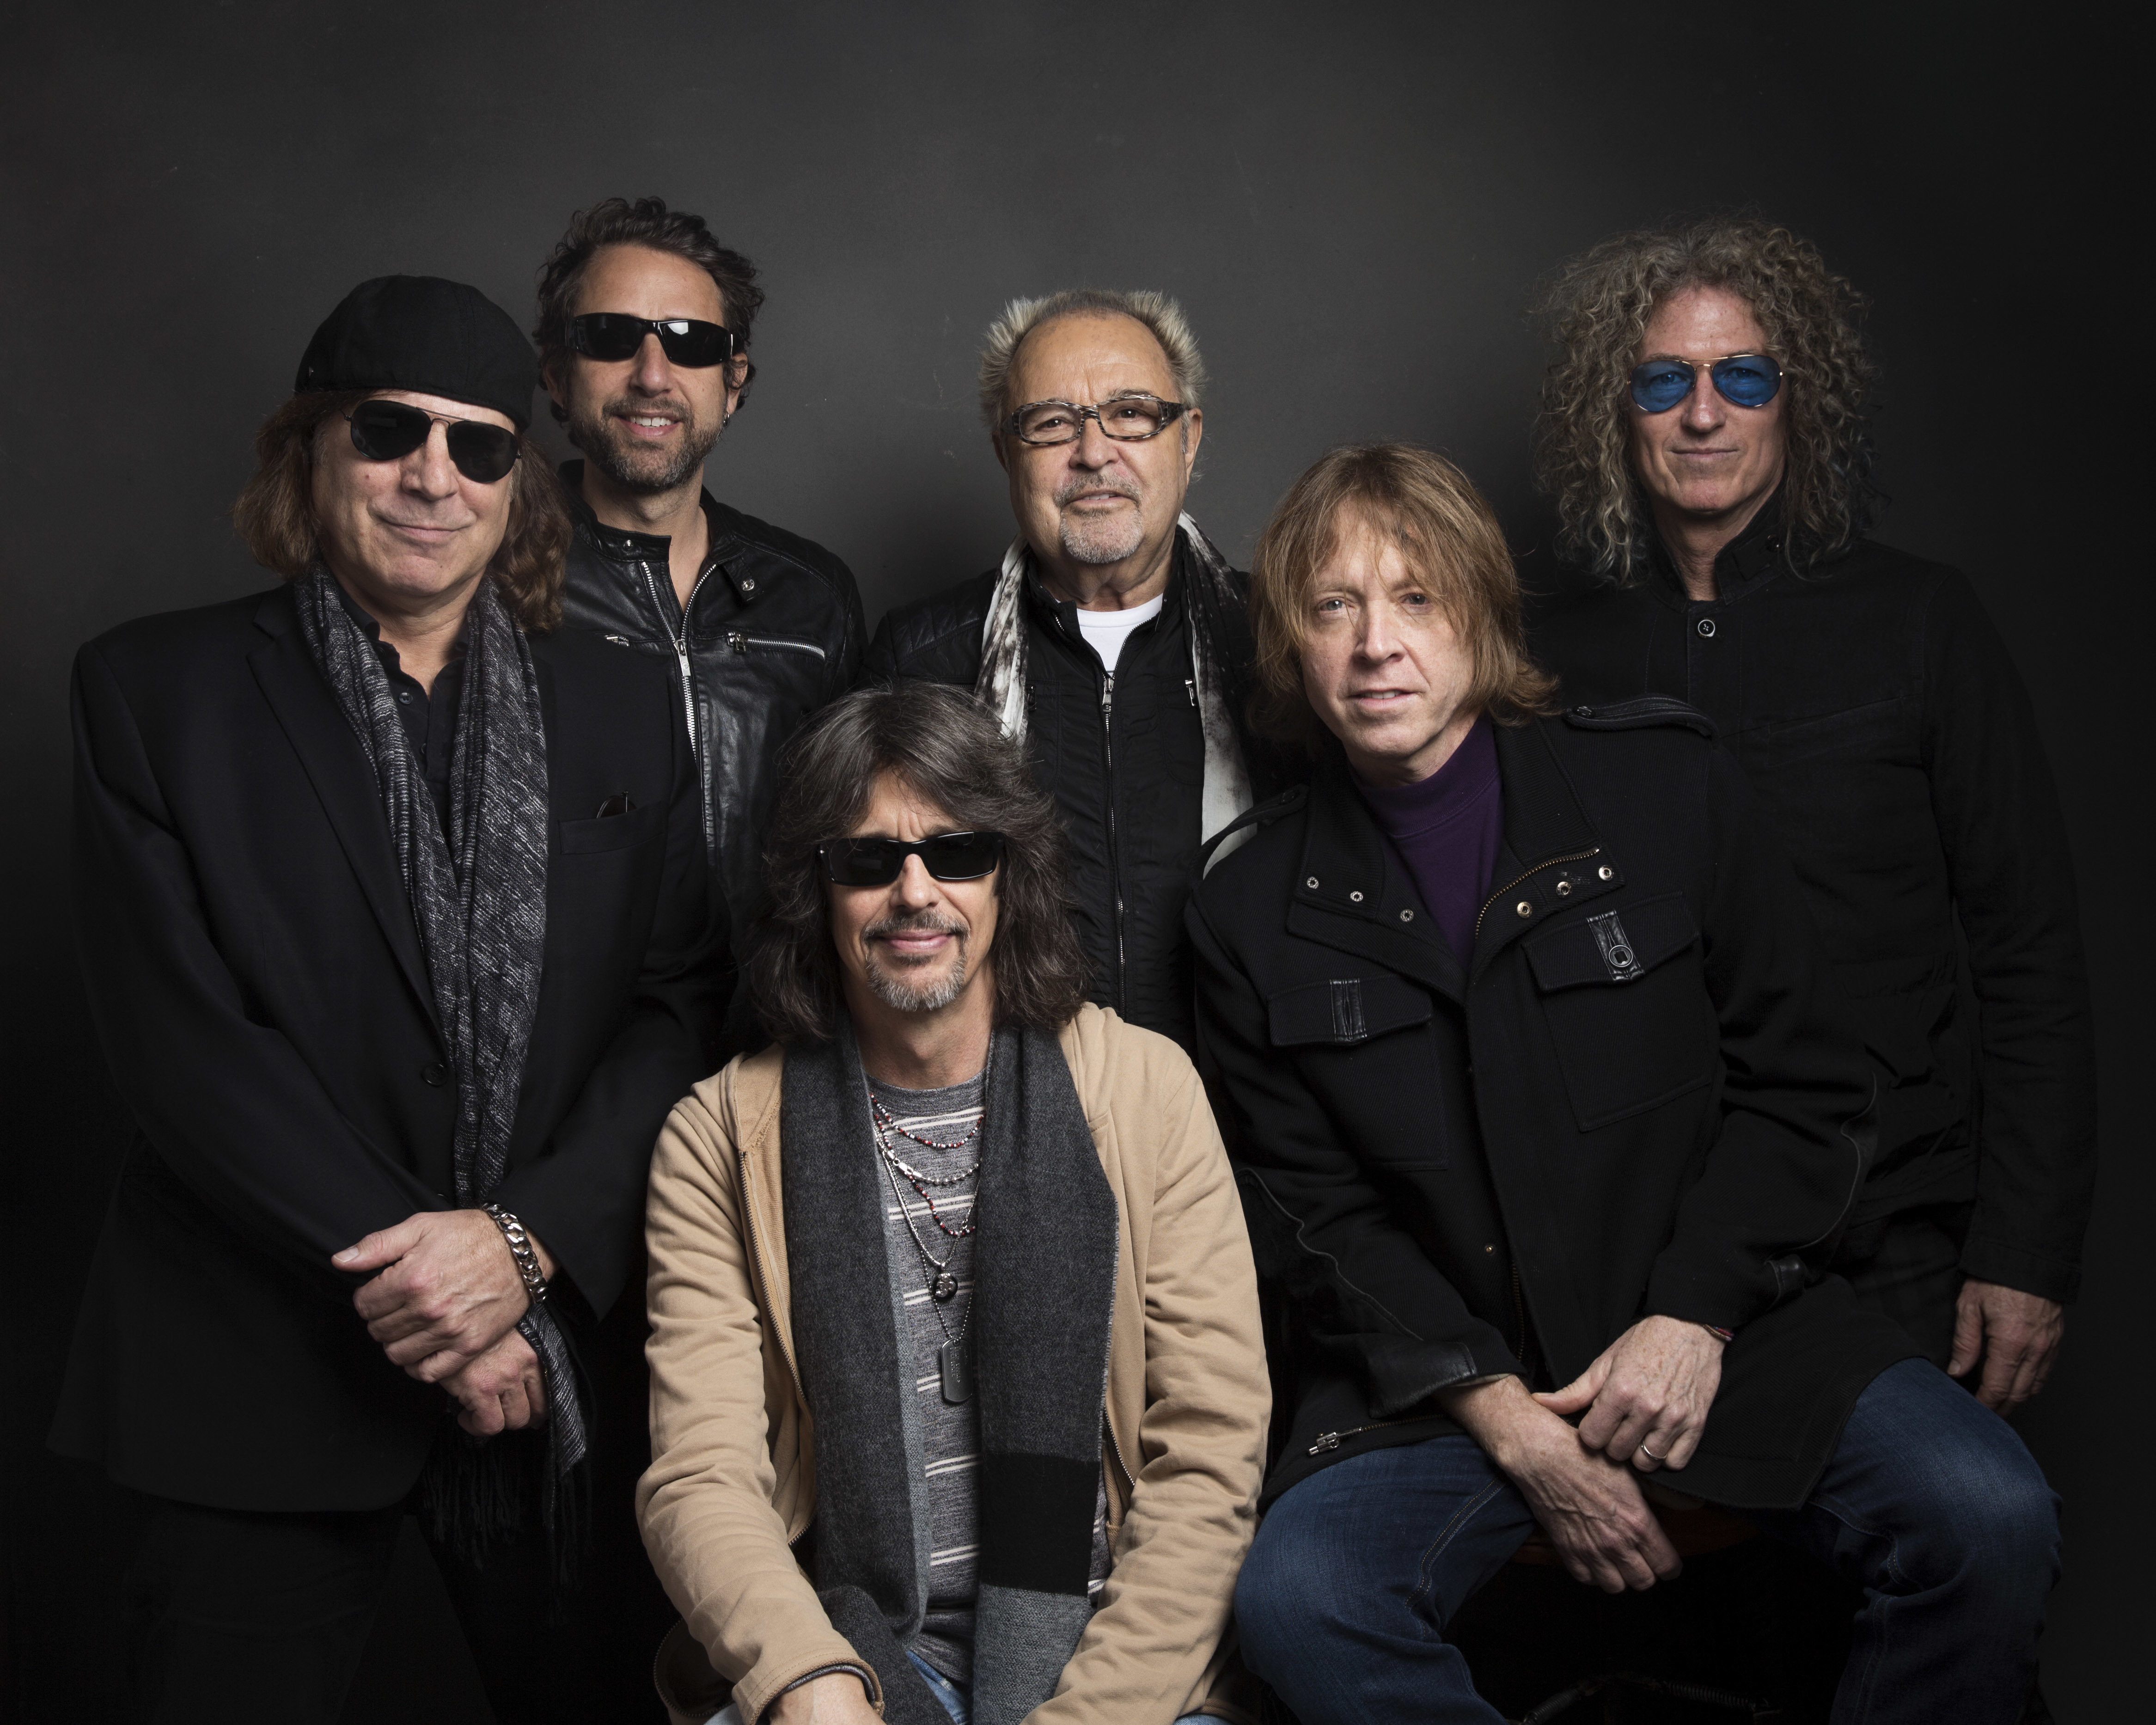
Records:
x=1650, y=1455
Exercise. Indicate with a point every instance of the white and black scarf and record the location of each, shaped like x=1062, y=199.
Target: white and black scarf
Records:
x=479, y=897
x=1211, y=592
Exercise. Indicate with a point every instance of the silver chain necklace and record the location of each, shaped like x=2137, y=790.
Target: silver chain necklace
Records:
x=951, y=1360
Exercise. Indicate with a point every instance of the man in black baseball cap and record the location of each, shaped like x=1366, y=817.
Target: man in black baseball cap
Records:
x=392, y=913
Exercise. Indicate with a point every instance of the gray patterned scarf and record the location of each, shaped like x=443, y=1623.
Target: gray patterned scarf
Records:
x=1001, y=682
x=479, y=897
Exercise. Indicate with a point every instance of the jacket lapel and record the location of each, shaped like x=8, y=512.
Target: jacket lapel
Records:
x=1352, y=893
x=334, y=764
x=1552, y=858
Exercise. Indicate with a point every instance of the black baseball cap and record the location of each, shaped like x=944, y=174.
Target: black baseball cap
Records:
x=432, y=336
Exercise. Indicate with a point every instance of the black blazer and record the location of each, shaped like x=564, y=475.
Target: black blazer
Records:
x=255, y=972
x=1633, y=1097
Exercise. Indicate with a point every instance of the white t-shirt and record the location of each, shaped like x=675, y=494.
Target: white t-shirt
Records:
x=1106, y=631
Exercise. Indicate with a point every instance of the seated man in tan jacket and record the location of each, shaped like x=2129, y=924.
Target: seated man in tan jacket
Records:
x=958, y=1395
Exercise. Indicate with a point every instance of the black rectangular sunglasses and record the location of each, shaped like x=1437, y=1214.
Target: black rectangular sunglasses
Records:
x=687, y=341
x=876, y=862
x=390, y=430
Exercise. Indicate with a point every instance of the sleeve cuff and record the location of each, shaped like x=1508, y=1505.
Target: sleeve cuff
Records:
x=2012, y=1266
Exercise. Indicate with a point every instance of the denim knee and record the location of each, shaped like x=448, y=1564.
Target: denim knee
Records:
x=1274, y=1594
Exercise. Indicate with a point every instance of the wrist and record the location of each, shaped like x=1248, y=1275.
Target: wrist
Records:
x=522, y=1251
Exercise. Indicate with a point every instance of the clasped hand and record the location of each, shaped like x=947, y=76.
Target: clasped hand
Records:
x=444, y=1308
x=1652, y=1386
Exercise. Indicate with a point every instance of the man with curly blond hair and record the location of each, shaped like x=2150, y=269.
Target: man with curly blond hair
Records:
x=1703, y=435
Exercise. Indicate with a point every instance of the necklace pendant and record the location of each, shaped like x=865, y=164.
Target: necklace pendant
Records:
x=944, y=1289
x=957, y=1371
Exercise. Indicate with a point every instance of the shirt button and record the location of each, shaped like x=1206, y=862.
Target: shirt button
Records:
x=1706, y=626
x=405, y=695
x=434, y=1073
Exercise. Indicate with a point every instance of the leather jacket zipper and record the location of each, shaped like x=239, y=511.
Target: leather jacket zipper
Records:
x=740, y=641
x=680, y=636
x=1114, y=868
x=1331, y=1439
x=1576, y=856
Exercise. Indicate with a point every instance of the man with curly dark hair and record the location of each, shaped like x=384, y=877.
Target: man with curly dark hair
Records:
x=643, y=330
x=1703, y=435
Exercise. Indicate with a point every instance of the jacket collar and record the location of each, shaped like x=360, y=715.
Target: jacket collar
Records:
x=623, y=546
x=1749, y=561
x=1352, y=892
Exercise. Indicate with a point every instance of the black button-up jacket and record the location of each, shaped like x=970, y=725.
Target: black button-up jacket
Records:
x=1634, y=1098
x=1876, y=711
x=772, y=631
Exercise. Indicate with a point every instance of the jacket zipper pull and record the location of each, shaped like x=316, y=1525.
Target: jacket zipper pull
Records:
x=738, y=640
x=1326, y=1440
x=1190, y=688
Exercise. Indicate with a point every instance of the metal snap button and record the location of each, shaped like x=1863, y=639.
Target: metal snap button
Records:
x=1563, y=889
x=1407, y=916
x=1355, y=898
x=748, y=585
x=434, y=1073
x=1524, y=908
x=1311, y=881
x=1606, y=872
x=1706, y=626
x=1584, y=712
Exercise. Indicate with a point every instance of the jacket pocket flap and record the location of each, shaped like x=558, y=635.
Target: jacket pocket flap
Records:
x=1348, y=1009
x=1618, y=945
x=612, y=832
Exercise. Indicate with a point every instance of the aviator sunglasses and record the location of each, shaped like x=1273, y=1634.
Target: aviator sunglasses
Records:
x=687, y=341
x=1748, y=380
x=390, y=430
x=876, y=862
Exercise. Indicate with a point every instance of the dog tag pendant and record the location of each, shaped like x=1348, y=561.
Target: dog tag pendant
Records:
x=957, y=1373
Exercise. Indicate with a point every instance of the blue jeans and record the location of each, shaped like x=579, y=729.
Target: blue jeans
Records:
x=956, y=1702
x=1930, y=1503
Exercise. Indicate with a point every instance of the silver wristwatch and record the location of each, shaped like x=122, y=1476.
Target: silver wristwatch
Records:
x=519, y=1247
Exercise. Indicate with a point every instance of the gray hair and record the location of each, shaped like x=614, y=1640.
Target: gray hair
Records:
x=1157, y=311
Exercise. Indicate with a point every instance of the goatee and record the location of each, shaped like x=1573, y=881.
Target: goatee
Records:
x=636, y=467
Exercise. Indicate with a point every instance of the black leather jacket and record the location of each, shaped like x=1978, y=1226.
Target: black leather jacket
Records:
x=773, y=632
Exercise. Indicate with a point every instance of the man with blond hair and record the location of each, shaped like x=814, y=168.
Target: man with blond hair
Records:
x=1112, y=639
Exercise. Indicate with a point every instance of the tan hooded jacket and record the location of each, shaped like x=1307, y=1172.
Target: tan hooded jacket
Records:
x=732, y=1482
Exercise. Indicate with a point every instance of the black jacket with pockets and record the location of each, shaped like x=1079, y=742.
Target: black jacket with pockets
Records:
x=774, y=631
x=254, y=973
x=1879, y=718
x=1632, y=1099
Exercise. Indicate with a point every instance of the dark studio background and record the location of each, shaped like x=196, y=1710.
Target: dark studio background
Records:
x=1353, y=202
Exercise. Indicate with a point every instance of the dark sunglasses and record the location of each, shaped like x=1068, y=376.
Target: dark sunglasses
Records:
x=687, y=341
x=876, y=862
x=1749, y=380
x=390, y=430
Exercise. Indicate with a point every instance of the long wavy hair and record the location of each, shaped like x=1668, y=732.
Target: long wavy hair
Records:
x=1450, y=536
x=948, y=747
x=1597, y=309
x=275, y=512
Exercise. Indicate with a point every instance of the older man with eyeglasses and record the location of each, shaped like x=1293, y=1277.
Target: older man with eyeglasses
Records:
x=1113, y=638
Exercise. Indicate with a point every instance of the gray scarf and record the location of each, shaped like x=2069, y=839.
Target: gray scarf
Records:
x=1044, y=1268
x=1001, y=682
x=479, y=897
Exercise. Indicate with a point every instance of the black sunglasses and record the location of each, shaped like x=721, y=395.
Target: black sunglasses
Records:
x=876, y=862
x=390, y=430
x=687, y=341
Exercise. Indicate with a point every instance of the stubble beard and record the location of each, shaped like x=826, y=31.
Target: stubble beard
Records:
x=895, y=986
x=1097, y=539
x=633, y=466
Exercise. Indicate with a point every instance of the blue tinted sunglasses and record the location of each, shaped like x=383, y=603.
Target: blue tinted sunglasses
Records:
x=1749, y=380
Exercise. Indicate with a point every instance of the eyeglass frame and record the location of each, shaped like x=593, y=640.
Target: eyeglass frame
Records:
x=579, y=339
x=1174, y=411
x=1697, y=367
x=516, y=441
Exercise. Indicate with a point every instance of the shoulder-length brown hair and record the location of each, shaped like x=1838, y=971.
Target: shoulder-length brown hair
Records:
x=1450, y=538
x=275, y=512
x=1597, y=310
x=949, y=749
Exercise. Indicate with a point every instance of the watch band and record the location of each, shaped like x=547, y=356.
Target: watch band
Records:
x=519, y=1247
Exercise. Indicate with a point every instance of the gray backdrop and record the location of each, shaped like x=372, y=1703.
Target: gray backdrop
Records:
x=1353, y=202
